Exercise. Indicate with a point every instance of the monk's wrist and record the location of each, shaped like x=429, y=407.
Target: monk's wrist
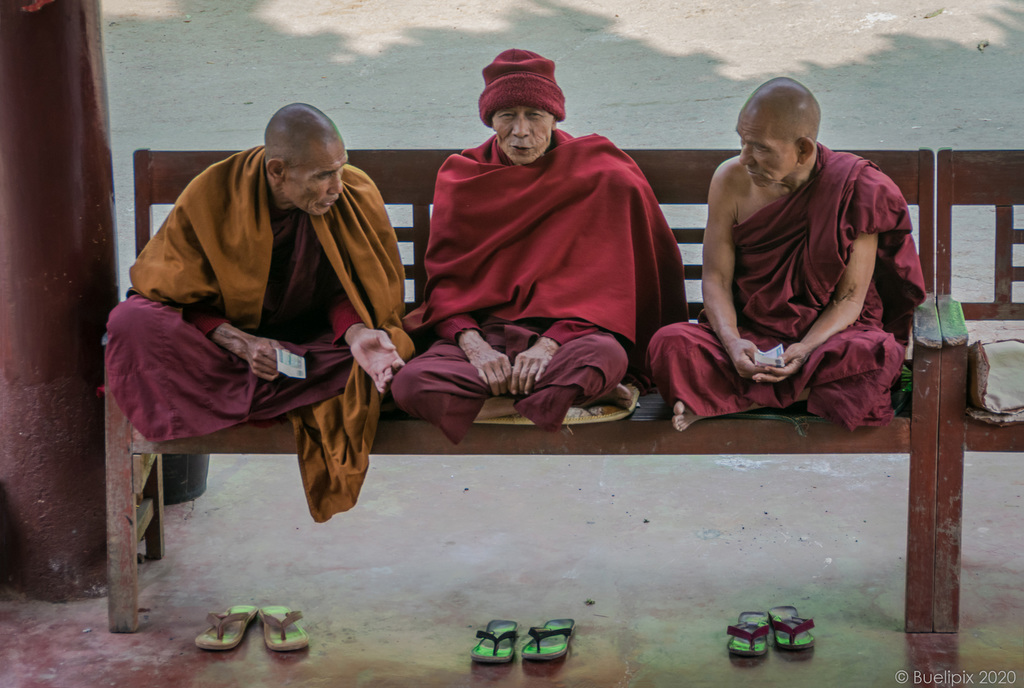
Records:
x=549, y=343
x=468, y=337
x=805, y=347
x=353, y=332
x=729, y=340
x=229, y=337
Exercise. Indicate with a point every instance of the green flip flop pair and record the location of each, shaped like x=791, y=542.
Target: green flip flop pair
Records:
x=749, y=637
x=497, y=642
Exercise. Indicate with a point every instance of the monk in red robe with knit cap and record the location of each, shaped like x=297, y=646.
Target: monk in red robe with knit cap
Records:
x=280, y=247
x=805, y=248
x=549, y=267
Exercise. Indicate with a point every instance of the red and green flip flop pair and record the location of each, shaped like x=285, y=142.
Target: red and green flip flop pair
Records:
x=497, y=643
x=749, y=637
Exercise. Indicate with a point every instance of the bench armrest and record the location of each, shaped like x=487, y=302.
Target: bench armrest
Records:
x=927, y=331
x=951, y=321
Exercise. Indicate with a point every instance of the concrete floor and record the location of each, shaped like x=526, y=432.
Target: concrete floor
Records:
x=669, y=550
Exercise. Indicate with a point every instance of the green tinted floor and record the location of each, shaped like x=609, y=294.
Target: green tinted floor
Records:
x=653, y=557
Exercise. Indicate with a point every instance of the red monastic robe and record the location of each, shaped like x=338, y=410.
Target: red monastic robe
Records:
x=576, y=235
x=790, y=256
x=573, y=239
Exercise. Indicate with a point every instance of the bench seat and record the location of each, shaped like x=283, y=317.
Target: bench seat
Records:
x=647, y=431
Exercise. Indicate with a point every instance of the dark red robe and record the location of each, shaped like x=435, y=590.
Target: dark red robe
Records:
x=577, y=236
x=443, y=387
x=171, y=381
x=790, y=256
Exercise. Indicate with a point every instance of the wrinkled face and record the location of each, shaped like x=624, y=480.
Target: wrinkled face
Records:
x=524, y=133
x=314, y=184
x=769, y=159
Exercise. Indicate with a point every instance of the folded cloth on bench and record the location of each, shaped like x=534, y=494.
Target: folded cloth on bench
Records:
x=995, y=418
x=996, y=374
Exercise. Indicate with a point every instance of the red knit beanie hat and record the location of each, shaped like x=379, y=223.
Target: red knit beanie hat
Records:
x=520, y=77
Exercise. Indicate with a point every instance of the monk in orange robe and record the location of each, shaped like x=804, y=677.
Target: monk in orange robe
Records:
x=805, y=248
x=281, y=247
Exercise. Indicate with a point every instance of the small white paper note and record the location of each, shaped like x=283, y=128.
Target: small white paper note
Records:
x=772, y=357
x=290, y=364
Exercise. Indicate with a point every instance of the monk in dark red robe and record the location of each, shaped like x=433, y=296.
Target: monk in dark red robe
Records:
x=804, y=248
x=283, y=246
x=549, y=267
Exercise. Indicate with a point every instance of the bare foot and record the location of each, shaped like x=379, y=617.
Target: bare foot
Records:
x=621, y=396
x=682, y=417
x=496, y=407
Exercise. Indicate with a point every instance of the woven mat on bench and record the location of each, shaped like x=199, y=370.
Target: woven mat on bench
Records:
x=576, y=415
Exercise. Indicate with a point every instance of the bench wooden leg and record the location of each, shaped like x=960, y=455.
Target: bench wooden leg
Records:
x=122, y=537
x=949, y=490
x=154, y=490
x=920, y=590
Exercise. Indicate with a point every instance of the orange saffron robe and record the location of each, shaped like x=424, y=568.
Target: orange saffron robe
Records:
x=215, y=248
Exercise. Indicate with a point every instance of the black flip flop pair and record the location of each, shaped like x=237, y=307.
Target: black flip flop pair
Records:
x=498, y=643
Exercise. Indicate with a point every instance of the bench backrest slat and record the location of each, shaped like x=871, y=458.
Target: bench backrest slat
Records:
x=982, y=178
x=406, y=177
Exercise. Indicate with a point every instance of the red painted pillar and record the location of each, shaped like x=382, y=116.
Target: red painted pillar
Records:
x=57, y=284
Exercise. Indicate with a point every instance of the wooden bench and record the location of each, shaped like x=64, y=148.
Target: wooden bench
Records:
x=680, y=179
x=993, y=179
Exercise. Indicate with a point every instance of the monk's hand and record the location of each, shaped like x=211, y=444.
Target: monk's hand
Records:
x=492, y=366
x=375, y=353
x=793, y=359
x=260, y=353
x=530, y=365
x=742, y=351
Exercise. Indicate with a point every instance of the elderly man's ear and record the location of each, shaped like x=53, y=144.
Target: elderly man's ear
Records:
x=275, y=169
x=805, y=149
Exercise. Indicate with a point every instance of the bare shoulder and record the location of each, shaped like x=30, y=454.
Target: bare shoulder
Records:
x=729, y=185
x=731, y=178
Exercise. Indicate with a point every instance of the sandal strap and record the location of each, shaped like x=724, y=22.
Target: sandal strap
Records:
x=539, y=634
x=793, y=627
x=742, y=633
x=282, y=624
x=487, y=635
x=220, y=621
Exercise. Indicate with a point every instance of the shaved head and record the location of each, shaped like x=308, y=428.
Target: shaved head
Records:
x=787, y=107
x=778, y=130
x=297, y=129
x=305, y=159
